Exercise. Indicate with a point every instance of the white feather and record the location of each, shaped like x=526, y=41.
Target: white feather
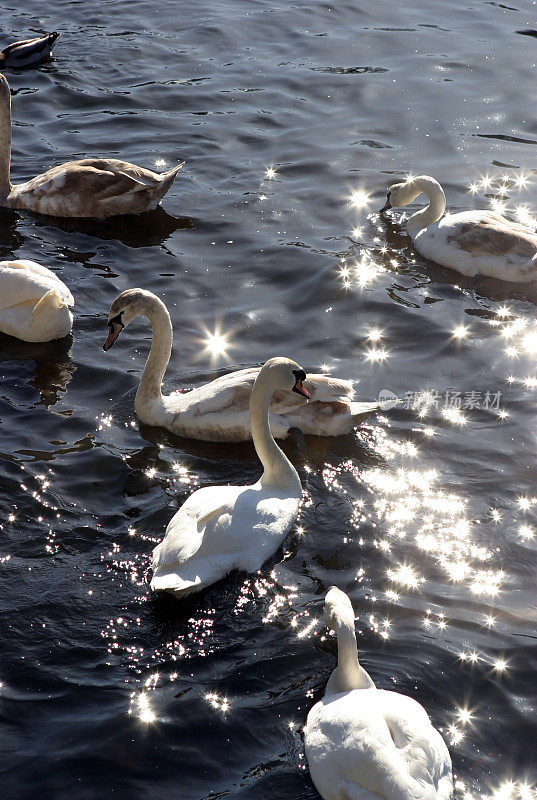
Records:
x=34, y=302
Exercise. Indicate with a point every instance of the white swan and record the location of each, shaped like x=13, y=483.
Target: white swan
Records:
x=472, y=242
x=218, y=411
x=364, y=743
x=34, y=302
x=221, y=528
x=92, y=187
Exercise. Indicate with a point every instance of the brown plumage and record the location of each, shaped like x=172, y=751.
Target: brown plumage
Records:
x=91, y=187
x=495, y=235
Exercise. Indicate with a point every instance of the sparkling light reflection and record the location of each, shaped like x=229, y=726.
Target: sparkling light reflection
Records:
x=216, y=344
x=145, y=712
x=499, y=188
x=360, y=198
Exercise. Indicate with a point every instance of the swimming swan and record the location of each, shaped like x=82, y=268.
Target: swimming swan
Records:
x=221, y=528
x=472, y=242
x=93, y=187
x=364, y=743
x=218, y=411
x=28, y=52
x=34, y=303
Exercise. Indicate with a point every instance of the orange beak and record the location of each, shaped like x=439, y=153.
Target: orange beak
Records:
x=299, y=389
x=115, y=330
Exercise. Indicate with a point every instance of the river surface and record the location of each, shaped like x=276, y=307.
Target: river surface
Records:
x=293, y=118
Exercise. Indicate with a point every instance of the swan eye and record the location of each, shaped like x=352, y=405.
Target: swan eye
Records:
x=299, y=374
x=116, y=320
x=388, y=195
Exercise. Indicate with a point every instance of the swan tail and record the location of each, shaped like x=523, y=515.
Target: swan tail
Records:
x=361, y=411
x=532, y=266
x=167, y=178
x=171, y=582
x=50, y=318
x=350, y=791
x=51, y=299
x=323, y=418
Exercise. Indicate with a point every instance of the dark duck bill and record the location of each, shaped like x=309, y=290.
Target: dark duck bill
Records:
x=300, y=376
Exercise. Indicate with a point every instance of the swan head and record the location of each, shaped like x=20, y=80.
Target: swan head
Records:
x=400, y=194
x=127, y=306
x=283, y=373
x=338, y=609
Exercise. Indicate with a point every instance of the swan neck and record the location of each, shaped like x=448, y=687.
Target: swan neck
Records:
x=5, y=142
x=349, y=673
x=278, y=470
x=431, y=213
x=149, y=389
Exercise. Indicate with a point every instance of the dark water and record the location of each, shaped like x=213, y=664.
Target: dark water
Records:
x=426, y=520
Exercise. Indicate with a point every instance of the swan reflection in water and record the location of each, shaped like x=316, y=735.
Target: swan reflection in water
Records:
x=53, y=365
x=145, y=230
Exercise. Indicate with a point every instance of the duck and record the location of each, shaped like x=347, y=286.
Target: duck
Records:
x=28, y=52
x=91, y=187
x=218, y=410
x=364, y=743
x=473, y=243
x=34, y=302
x=222, y=528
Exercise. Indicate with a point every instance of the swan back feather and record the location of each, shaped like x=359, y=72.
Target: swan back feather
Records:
x=364, y=743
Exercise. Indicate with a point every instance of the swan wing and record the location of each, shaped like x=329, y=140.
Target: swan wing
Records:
x=424, y=750
x=228, y=393
x=195, y=550
x=488, y=234
x=193, y=526
x=92, y=179
x=330, y=418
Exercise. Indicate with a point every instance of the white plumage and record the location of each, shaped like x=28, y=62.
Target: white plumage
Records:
x=471, y=242
x=364, y=743
x=34, y=302
x=221, y=528
x=218, y=410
